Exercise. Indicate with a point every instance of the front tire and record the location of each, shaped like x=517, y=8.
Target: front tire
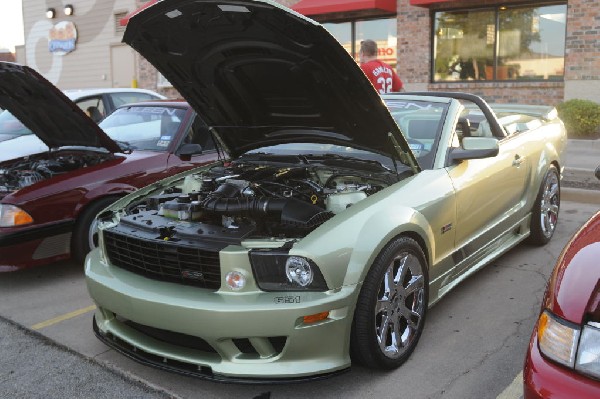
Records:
x=391, y=307
x=544, y=215
x=84, y=239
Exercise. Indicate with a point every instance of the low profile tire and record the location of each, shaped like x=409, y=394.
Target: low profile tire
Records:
x=84, y=239
x=544, y=215
x=391, y=307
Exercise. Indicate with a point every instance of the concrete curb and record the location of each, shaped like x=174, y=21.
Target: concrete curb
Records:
x=580, y=195
x=580, y=143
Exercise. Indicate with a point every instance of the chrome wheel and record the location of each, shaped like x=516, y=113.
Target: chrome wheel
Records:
x=544, y=212
x=549, y=205
x=400, y=305
x=93, y=234
x=391, y=307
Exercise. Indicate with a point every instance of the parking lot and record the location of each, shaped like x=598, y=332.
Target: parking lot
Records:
x=473, y=344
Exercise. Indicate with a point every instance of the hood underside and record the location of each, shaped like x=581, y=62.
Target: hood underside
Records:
x=260, y=74
x=46, y=111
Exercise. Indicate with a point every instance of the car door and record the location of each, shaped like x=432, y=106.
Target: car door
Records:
x=490, y=195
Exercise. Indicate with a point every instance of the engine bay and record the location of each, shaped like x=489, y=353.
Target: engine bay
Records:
x=15, y=175
x=282, y=198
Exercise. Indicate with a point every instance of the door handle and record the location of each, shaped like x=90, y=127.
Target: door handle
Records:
x=518, y=160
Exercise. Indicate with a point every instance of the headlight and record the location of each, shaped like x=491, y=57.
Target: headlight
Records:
x=11, y=216
x=558, y=339
x=278, y=271
x=567, y=344
x=588, y=355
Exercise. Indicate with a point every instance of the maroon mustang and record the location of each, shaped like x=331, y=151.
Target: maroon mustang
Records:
x=49, y=199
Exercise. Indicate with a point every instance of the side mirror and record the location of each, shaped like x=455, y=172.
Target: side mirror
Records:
x=186, y=151
x=475, y=148
x=598, y=173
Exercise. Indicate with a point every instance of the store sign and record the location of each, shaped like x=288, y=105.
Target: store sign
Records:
x=62, y=38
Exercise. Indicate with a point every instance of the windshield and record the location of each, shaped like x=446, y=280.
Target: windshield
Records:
x=144, y=128
x=11, y=126
x=421, y=124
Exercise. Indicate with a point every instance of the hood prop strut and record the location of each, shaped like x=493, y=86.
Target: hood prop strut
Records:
x=404, y=156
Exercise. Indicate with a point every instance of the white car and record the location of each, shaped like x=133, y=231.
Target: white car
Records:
x=97, y=103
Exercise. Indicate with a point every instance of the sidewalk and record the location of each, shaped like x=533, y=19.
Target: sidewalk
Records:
x=579, y=182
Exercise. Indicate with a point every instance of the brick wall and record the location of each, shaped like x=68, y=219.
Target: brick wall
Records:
x=583, y=40
x=414, y=48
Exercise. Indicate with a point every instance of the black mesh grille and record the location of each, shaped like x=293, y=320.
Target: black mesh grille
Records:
x=165, y=261
x=173, y=338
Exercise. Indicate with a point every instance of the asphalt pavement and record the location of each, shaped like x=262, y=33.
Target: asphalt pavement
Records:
x=35, y=366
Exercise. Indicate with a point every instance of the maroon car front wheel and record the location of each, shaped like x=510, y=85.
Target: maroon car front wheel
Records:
x=84, y=239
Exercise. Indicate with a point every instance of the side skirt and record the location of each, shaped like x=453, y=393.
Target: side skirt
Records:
x=479, y=259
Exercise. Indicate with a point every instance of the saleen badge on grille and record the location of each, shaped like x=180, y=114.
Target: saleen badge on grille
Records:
x=192, y=274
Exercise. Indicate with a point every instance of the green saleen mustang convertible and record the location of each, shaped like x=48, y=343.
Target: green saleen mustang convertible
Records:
x=336, y=218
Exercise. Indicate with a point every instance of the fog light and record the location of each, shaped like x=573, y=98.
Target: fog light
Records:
x=298, y=271
x=235, y=280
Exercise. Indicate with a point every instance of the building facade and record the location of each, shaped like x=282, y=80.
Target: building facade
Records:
x=77, y=44
x=537, y=52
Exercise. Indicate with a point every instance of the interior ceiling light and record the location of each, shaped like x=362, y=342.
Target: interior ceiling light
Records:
x=50, y=13
x=69, y=9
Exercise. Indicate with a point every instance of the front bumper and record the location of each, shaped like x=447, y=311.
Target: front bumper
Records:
x=32, y=246
x=544, y=379
x=252, y=337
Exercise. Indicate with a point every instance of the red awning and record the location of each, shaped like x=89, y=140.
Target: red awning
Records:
x=319, y=7
x=426, y=2
x=125, y=20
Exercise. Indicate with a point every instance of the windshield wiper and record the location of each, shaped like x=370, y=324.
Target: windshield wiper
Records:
x=124, y=146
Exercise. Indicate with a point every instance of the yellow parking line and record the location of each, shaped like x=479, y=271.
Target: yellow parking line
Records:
x=64, y=317
x=514, y=390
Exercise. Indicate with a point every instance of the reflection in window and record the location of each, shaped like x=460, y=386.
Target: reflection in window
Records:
x=342, y=32
x=464, y=45
x=532, y=43
x=383, y=31
x=527, y=43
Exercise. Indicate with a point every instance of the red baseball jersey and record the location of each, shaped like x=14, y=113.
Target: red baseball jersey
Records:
x=382, y=76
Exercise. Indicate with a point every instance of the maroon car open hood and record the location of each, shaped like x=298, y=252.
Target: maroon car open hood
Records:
x=260, y=74
x=46, y=111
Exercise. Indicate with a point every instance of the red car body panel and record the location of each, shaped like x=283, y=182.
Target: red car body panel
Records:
x=571, y=295
x=55, y=203
x=545, y=379
x=575, y=276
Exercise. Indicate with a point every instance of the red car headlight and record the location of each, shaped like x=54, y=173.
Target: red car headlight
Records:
x=11, y=216
x=588, y=354
x=569, y=345
x=558, y=339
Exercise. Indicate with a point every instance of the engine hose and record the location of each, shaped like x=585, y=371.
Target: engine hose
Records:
x=287, y=210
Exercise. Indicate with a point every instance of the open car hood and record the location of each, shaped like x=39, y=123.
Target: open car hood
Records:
x=260, y=74
x=46, y=111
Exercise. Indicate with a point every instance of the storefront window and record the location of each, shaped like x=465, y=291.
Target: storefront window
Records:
x=342, y=32
x=383, y=31
x=525, y=43
x=532, y=43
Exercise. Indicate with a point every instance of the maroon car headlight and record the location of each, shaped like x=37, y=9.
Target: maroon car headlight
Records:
x=11, y=216
x=588, y=354
x=558, y=339
x=568, y=344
